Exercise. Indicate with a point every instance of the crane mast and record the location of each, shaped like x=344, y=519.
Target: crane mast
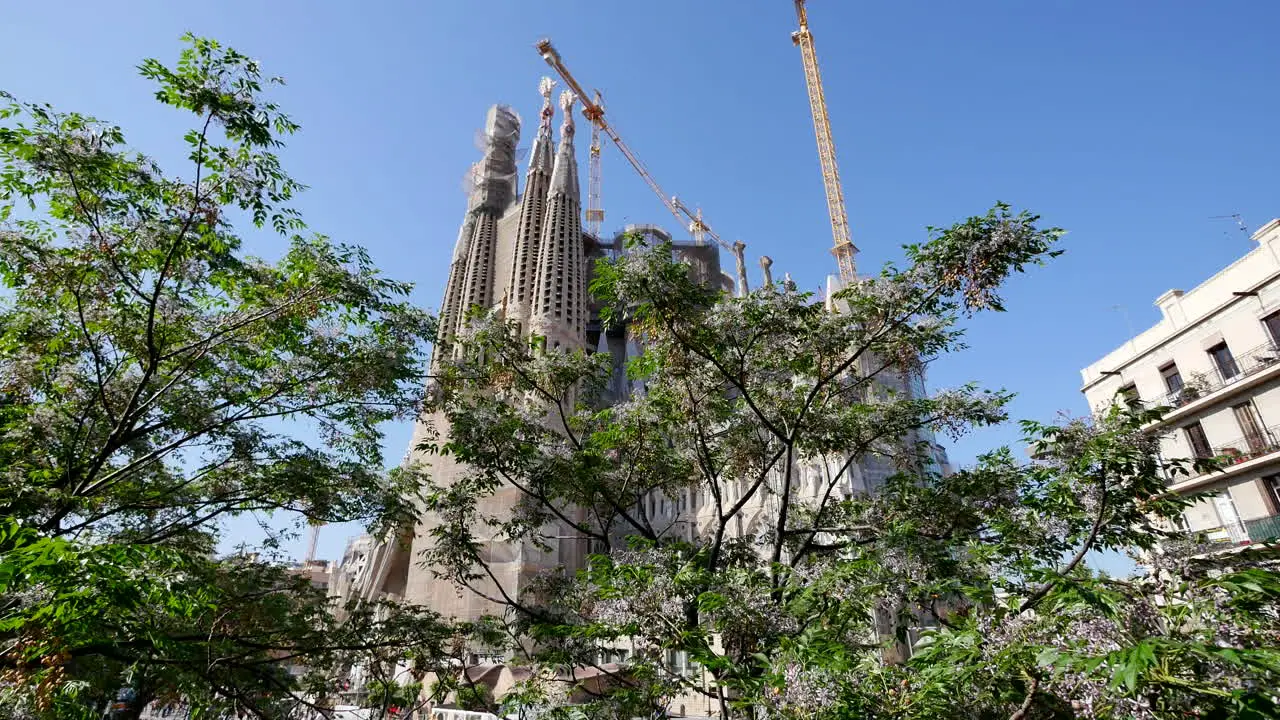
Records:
x=593, y=111
x=313, y=539
x=842, y=247
x=595, y=210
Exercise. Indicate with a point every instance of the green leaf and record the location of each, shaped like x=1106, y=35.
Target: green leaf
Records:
x=1048, y=657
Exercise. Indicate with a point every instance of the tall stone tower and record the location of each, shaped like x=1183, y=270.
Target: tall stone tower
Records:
x=559, y=301
x=524, y=266
x=529, y=256
x=492, y=189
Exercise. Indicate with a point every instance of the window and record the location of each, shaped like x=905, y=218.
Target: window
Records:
x=1273, y=486
x=1180, y=522
x=1172, y=378
x=1247, y=417
x=1272, y=323
x=678, y=663
x=1129, y=393
x=1228, y=515
x=1224, y=361
x=1199, y=443
x=613, y=655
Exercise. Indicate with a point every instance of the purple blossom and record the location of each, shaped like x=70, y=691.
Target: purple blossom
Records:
x=805, y=692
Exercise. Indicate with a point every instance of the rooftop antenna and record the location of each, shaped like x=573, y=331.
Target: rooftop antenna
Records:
x=1125, y=312
x=1234, y=216
x=1128, y=322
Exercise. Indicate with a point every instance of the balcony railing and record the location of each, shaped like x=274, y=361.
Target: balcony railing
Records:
x=1236, y=452
x=1243, y=365
x=1249, y=362
x=1265, y=529
x=1207, y=541
x=1248, y=447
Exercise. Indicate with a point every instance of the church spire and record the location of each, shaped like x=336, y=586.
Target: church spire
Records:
x=564, y=179
x=532, y=212
x=541, y=156
x=559, y=305
x=494, y=186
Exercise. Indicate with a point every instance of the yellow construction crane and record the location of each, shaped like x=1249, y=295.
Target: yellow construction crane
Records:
x=593, y=111
x=595, y=211
x=842, y=247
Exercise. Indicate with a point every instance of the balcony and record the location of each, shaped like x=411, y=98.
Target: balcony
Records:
x=1249, y=447
x=1265, y=529
x=1247, y=369
x=1234, y=458
x=1222, y=539
x=1206, y=542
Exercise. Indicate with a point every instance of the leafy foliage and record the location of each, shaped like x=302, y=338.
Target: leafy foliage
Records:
x=790, y=580
x=155, y=380
x=391, y=698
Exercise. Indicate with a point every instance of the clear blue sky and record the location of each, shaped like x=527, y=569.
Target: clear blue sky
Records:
x=1128, y=123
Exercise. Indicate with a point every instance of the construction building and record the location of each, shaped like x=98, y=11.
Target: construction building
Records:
x=1213, y=361
x=527, y=255
x=347, y=576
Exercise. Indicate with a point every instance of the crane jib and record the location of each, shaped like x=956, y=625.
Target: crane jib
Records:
x=594, y=112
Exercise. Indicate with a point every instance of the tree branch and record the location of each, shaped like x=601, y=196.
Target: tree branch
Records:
x=1033, y=683
x=1040, y=592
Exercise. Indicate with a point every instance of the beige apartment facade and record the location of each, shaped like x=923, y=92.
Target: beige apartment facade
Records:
x=1214, y=361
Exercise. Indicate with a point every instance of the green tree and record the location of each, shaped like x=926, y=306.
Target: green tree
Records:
x=476, y=698
x=799, y=594
x=392, y=699
x=156, y=380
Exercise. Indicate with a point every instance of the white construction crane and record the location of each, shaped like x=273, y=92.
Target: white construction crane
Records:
x=595, y=210
x=593, y=111
x=313, y=538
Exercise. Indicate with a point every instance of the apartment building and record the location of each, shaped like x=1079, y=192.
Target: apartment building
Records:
x=1214, y=361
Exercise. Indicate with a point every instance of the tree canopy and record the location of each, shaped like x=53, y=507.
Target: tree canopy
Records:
x=156, y=380
x=784, y=585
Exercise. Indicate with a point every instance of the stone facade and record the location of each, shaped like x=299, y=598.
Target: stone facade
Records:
x=529, y=255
